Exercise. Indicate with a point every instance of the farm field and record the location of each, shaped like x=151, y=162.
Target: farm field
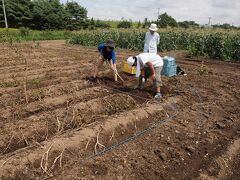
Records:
x=56, y=123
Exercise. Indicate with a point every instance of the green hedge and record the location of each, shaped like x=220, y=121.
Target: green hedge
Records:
x=25, y=34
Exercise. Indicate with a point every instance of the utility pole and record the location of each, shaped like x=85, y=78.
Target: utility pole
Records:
x=158, y=12
x=5, y=16
x=209, y=21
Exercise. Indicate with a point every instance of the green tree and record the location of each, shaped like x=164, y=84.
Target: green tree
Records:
x=183, y=24
x=146, y=23
x=187, y=24
x=139, y=24
x=165, y=20
x=92, y=22
x=76, y=11
x=49, y=14
x=2, y=23
x=101, y=24
x=124, y=24
x=44, y=14
x=226, y=26
x=18, y=13
x=77, y=17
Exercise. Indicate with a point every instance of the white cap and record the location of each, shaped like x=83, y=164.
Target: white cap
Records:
x=130, y=61
x=153, y=27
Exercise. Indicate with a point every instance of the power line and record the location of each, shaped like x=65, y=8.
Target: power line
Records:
x=5, y=16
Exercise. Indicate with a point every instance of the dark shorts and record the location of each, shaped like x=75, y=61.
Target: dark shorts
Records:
x=109, y=59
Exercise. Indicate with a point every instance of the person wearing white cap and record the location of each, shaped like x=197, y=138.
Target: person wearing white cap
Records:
x=148, y=65
x=152, y=39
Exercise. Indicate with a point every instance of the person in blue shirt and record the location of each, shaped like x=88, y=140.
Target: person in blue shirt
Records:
x=107, y=54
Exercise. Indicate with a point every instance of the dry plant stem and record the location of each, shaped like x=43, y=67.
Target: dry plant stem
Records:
x=135, y=125
x=60, y=160
x=55, y=160
x=39, y=145
x=67, y=102
x=97, y=143
x=166, y=113
x=89, y=140
x=21, y=57
x=58, y=125
x=91, y=124
x=25, y=82
x=46, y=132
x=112, y=136
x=24, y=138
x=73, y=116
x=5, y=162
x=25, y=91
x=45, y=158
x=8, y=143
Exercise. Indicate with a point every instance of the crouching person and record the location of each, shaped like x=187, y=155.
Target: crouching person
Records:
x=107, y=54
x=148, y=65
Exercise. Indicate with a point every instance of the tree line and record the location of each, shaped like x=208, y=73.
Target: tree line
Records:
x=44, y=14
x=51, y=14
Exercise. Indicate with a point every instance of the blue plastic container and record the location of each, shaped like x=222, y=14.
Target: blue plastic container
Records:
x=169, y=66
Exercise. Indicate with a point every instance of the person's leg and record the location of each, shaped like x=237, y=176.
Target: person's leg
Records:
x=96, y=69
x=114, y=67
x=157, y=82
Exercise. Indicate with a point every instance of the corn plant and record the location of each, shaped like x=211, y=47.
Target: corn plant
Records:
x=213, y=44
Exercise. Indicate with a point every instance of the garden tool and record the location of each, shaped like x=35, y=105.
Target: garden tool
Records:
x=115, y=72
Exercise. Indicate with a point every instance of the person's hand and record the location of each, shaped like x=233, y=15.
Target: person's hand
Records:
x=101, y=56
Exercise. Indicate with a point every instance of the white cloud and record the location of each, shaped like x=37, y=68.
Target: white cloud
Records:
x=221, y=11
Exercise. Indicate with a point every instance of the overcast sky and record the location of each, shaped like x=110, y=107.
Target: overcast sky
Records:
x=221, y=11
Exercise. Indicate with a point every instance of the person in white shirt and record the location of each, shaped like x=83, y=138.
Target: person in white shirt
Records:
x=148, y=65
x=152, y=40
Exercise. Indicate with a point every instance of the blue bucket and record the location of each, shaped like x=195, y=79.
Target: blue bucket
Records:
x=169, y=66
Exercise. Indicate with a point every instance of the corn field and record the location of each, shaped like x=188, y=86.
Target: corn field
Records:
x=217, y=45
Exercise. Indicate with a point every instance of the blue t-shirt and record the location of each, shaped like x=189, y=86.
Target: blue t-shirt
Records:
x=107, y=55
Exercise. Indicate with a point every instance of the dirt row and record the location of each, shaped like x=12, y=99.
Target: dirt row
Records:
x=36, y=128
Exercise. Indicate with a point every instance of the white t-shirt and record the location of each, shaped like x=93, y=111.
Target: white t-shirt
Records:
x=151, y=41
x=155, y=59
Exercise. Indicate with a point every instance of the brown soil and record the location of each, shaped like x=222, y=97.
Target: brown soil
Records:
x=52, y=115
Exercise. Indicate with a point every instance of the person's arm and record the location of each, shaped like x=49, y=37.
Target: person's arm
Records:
x=145, y=39
x=150, y=65
x=146, y=43
x=113, y=57
x=142, y=73
x=158, y=39
x=100, y=50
